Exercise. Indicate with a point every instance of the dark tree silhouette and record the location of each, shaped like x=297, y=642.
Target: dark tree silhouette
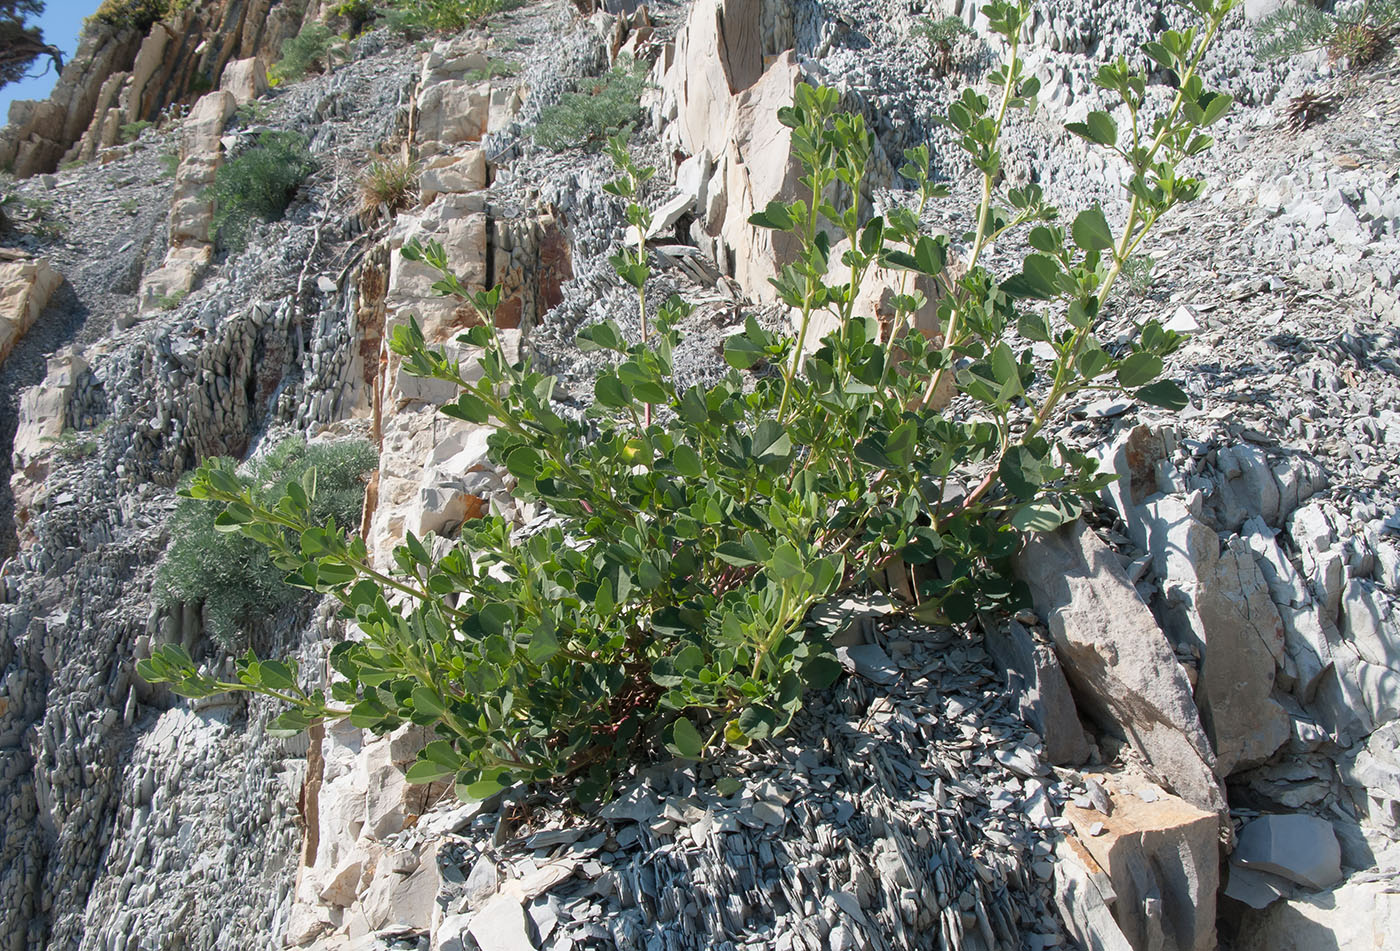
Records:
x=21, y=45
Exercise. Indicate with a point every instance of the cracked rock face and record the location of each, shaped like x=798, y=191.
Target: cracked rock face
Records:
x=1214, y=654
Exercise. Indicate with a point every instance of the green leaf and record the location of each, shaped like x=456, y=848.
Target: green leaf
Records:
x=1215, y=106
x=277, y=675
x=686, y=741
x=1044, y=515
x=426, y=701
x=290, y=723
x=426, y=771
x=1090, y=230
x=1022, y=471
x=687, y=461
x=902, y=444
x=1164, y=393
x=543, y=646
x=1097, y=127
x=603, y=601
x=774, y=217
x=1041, y=278
x=603, y=336
x=1007, y=371
x=491, y=782
x=1139, y=368
x=786, y=562
x=771, y=443
x=467, y=408
x=1092, y=361
x=610, y=391
x=733, y=553
x=822, y=671
x=741, y=353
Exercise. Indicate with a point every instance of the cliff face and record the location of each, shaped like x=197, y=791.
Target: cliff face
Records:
x=118, y=76
x=1225, y=645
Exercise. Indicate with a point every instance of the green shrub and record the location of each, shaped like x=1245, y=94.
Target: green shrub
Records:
x=1359, y=32
x=169, y=162
x=258, y=184
x=357, y=15
x=131, y=131
x=388, y=181
x=942, y=36
x=495, y=69
x=664, y=606
x=309, y=51
x=439, y=16
x=231, y=575
x=588, y=116
x=139, y=14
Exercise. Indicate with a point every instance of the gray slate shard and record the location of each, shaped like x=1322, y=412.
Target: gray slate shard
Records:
x=1046, y=704
x=1298, y=847
x=869, y=661
x=1118, y=659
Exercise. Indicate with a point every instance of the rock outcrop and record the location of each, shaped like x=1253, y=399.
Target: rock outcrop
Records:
x=1214, y=650
x=25, y=289
x=118, y=77
x=1119, y=661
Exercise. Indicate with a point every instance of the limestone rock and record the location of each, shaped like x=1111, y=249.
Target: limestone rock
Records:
x=1358, y=914
x=452, y=173
x=1218, y=602
x=501, y=924
x=453, y=112
x=191, y=209
x=402, y=894
x=42, y=408
x=1369, y=657
x=1084, y=894
x=1163, y=858
x=1118, y=659
x=25, y=289
x=245, y=79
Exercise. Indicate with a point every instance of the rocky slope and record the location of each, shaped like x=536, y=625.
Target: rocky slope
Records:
x=1192, y=741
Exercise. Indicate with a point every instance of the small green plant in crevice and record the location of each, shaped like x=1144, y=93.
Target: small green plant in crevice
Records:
x=599, y=109
x=494, y=69
x=1136, y=275
x=310, y=51
x=1359, y=33
x=168, y=163
x=663, y=607
x=390, y=182
x=439, y=16
x=72, y=445
x=253, y=112
x=170, y=301
x=231, y=575
x=37, y=216
x=942, y=36
x=258, y=184
x=131, y=131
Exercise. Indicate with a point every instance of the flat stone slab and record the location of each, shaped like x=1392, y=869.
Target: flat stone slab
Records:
x=1300, y=848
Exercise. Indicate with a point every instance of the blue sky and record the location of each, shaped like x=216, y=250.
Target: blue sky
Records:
x=62, y=22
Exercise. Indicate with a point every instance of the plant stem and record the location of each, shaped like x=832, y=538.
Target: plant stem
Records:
x=984, y=215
